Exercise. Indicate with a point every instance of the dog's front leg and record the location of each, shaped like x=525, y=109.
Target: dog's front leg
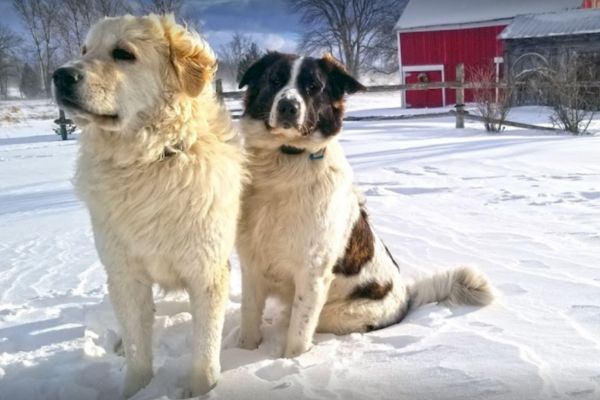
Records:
x=311, y=293
x=208, y=300
x=132, y=301
x=253, y=304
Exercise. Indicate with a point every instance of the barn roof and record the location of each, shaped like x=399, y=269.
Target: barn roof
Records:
x=424, y=15
x=573, y=22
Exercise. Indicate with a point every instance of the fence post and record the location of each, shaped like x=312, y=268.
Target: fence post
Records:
x=62, y=123
x=219, y=87
x=460, y=96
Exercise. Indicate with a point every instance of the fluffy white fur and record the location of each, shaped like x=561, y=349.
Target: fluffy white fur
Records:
x=297, y=217
x=160, y=169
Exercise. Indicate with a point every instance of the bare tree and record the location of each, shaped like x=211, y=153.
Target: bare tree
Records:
x=9, y=43
x=176, y=7
x=73, y=24
x=111, y=8
x=358, y=32
x=40, y=18
x=573, y=100
x=164, y=6
x=77, y=16
x=231, y=55
x=192, y=21
x=493, y=104
x=252, y=54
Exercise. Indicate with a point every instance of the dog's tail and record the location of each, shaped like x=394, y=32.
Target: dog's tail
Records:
x=462, y=285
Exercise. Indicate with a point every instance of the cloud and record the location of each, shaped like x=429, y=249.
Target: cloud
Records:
x=204, y=4
x=245, y=15
x=269, y=41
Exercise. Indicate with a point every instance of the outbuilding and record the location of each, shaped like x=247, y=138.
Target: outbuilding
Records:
x=559, y=46
x=436, y=35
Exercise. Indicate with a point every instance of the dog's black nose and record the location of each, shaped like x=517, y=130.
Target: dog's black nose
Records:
x=66, y=77
x=287, y=109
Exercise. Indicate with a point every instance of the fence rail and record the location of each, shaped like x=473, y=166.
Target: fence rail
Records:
x=459, y=86
x=442, y=85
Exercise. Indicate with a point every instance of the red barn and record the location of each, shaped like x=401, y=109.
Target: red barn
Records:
x=436, y=35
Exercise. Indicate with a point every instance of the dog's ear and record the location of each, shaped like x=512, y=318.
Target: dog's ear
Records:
x=192, y=58
x=256, y=70
x=338, y=78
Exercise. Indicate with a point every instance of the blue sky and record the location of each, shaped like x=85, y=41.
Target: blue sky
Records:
x=269, y=22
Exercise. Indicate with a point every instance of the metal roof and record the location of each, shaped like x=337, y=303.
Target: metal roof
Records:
x=573, y=22
x=424, y=15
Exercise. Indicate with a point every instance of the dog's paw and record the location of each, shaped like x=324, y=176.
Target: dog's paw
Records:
x=135, y=381
x=187, y=393
x=204, y=377
x=293, y=350
x=249, y=342
x=200, y=386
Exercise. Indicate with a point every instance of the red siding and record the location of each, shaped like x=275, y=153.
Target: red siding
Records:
x=472, y=46
x=424, y=98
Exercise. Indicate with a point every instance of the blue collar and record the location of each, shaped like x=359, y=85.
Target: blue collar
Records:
x=291, y=150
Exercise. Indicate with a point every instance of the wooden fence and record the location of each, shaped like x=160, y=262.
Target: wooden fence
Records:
x=459, y=86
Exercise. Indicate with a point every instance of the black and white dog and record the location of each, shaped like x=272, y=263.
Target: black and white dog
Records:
x=304, y=234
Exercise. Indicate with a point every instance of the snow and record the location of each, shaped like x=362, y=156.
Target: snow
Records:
x=572, y=22
x=419, y=14
x=523, y=206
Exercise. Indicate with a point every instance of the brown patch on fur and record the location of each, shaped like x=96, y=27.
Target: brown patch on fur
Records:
x=339, y=105
x=339, y=76
x=328, y=57
x=360, y=248
x=194, y=62
x=401, y=316
x=372, y=290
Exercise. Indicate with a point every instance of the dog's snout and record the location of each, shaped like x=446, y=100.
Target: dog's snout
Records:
x=288, y=109
x=66, y=77
x=287, y=112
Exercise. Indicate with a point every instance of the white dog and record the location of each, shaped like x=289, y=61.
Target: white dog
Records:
x=304, y=234
x=160, y=170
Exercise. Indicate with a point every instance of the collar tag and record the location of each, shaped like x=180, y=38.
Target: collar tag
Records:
x=319, y=155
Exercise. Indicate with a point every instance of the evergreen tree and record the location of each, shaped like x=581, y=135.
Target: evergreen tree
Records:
x=252, y=54
x=30, y=82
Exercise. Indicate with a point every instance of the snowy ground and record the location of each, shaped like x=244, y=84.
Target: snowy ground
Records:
x=523, y=206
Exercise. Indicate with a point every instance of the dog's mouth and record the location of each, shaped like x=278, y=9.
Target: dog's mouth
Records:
x=288, y=129
x=80, y=111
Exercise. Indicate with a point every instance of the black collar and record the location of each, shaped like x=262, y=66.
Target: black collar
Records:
x=291, y=150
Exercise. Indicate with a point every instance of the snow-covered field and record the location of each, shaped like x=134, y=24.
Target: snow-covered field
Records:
x=523, y=206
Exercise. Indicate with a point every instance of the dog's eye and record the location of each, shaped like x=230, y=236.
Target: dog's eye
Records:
x=314, y=87
x=83, y=50
x=276, y=80
x=122, y=55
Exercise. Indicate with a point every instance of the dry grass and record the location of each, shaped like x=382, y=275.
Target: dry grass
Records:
x=12, y=115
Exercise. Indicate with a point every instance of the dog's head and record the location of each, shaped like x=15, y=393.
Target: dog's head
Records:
x=299, y=98
x=129, y=67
